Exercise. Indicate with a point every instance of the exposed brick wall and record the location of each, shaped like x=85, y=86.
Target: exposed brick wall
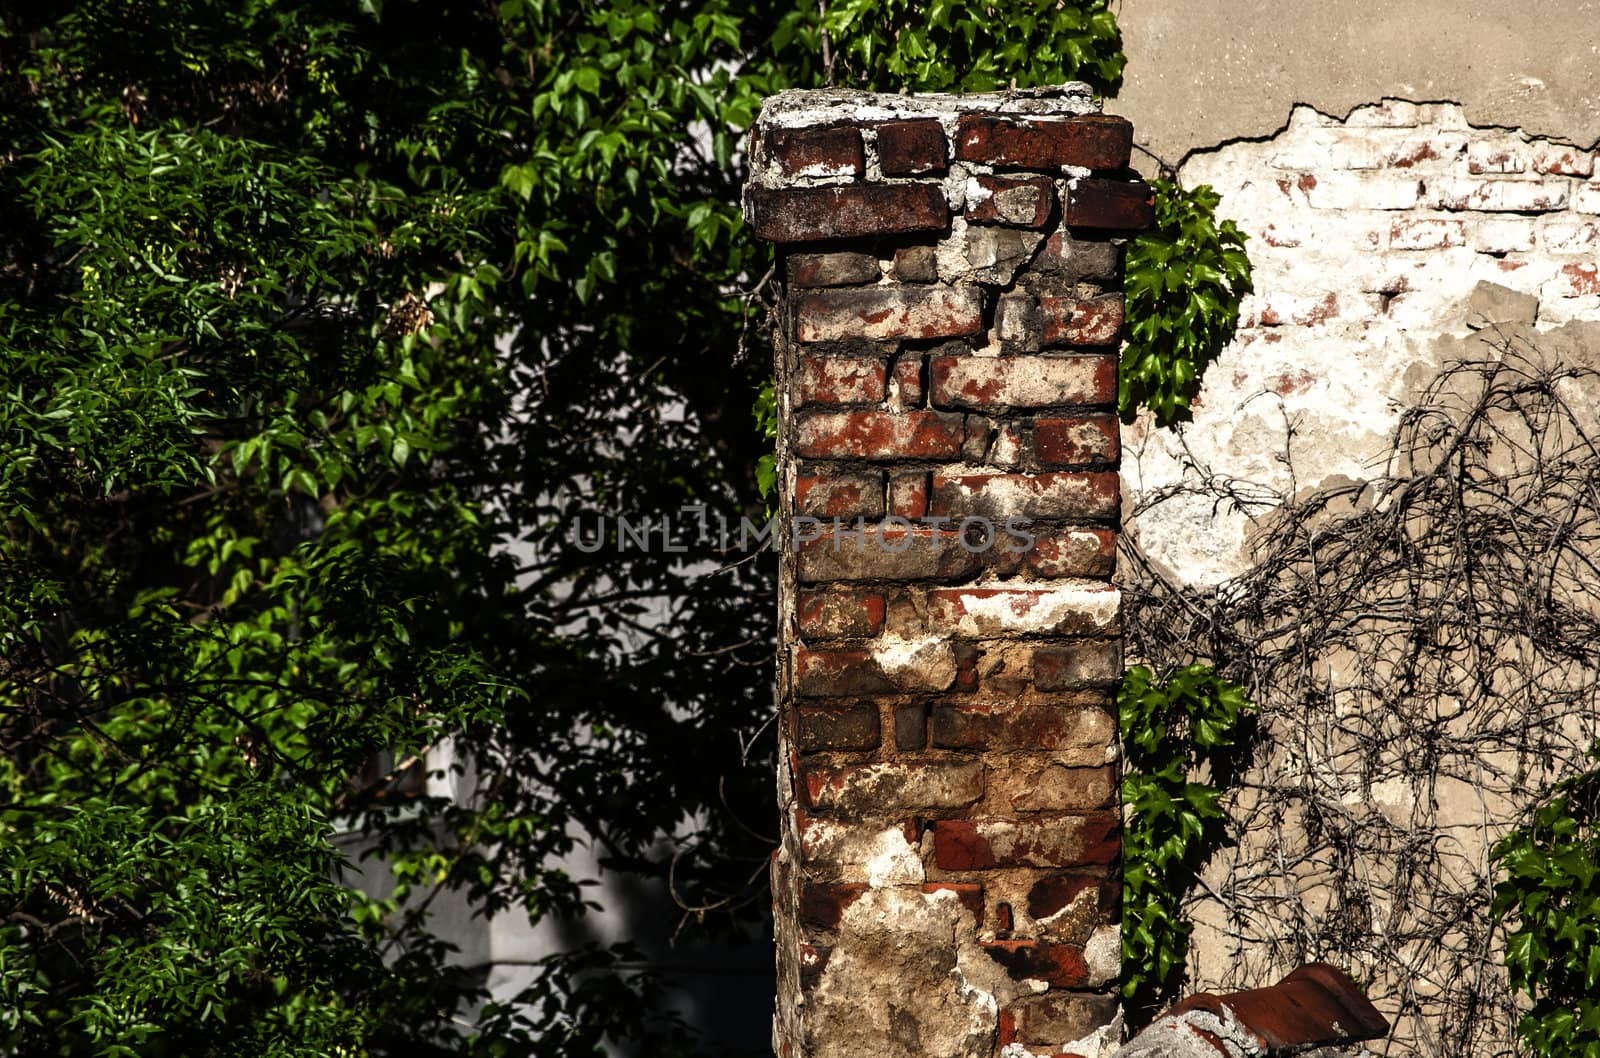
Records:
x=949, y=633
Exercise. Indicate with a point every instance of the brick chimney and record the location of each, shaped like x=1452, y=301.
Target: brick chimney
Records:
x=949, y=635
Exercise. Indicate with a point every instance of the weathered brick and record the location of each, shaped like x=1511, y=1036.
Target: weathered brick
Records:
x=1091, y=141
x=1063, y=841
x=1578, y=280
x=908, y=494
x=1055, y=893
x=840, y=380
x=817, y=152
x=1036, y=783
x=1389, y=114
x=887, y=553
x=852, y=726
x=1110, y=205
x=911, y=726
x=1076, y=260
x=836, y=614
x=822, y=904
x=1018, y=323
x=1006, y=382
x=908, y=380
x=1071, y=553
x=1565, y=236
x=1077, y=665
x=1090, y=609
x=813, y=961
x=1412, y=234
x=1077, y=729
x=1554, y=159
x=1081, y=441
x=982, y=253
x=906, y=148
x=1361, y=190
x=1082, y=496
x=922, y=666
x=1496, y=156
x=1074, y=321
x=1060, y=1015
x=1058, y=965
x=1499, y=196
x=880, y=435
x=1586, y=198
x=843, y=495
x=969, y=894
x=916, y=264
x=891, y=788
x=1027, y=202
x=815, y=214
x=1510, y=235
x=841, y=269
x=879, y=313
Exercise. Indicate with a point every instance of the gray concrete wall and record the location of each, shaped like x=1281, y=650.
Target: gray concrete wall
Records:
x=1203, y=72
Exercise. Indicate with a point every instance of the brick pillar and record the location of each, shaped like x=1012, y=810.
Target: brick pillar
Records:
x=949, y=633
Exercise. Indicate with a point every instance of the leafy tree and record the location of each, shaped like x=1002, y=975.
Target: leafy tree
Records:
x=322, y=327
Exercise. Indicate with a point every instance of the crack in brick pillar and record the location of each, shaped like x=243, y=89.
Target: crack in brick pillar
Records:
x=949, y=635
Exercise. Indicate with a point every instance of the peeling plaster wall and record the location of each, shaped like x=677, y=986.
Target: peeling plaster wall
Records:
x=1367, y=237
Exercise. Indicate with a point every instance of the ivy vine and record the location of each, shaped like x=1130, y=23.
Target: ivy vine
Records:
x=1551, y=891
x=1170, y=730
x=1185, y=279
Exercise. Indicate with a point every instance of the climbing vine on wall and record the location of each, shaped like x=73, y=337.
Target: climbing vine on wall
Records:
x=1551, y=892
x=1170, y=729
x=1185, y=280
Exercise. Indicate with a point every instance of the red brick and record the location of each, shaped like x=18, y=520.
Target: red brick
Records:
x=1071, y=321
x=1092, y=141
x=1062, y=841
x=1080, y=727
x=970, y=895
x=1552, y=159
x=833, y=151
x=840, y=269
x=843, y=673
x=1053, y=894
x=1096, y=260
x=813, y=961
x=840, y=380
x=1111, y=205
x=813, y=214
x=908, y=494
x=892, y=787
x=879, y=313
x=1076, y=665
x=846, y=496
x=1576, y=280
x=880, y=435
x=1025, y=202
x=910, y=727
x=1072, y=553
x=1069, y=610
x=822, y=904
x=887, y=553
x=906, y=148
x=1059, y=965
x=837, y=614
x=1077, y=442
x=1059, y=1015
x=852, y=726
x=1081, y=496
x=908, y=380
x=1005, y=382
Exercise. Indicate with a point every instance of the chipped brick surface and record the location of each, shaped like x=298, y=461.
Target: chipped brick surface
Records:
x=948, y=492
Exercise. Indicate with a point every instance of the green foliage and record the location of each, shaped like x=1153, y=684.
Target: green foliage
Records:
x=320, y=324
x=1550, y=898
x=970, y=46
x=1173, y=825
x=1185, y=280
x=766, y=413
